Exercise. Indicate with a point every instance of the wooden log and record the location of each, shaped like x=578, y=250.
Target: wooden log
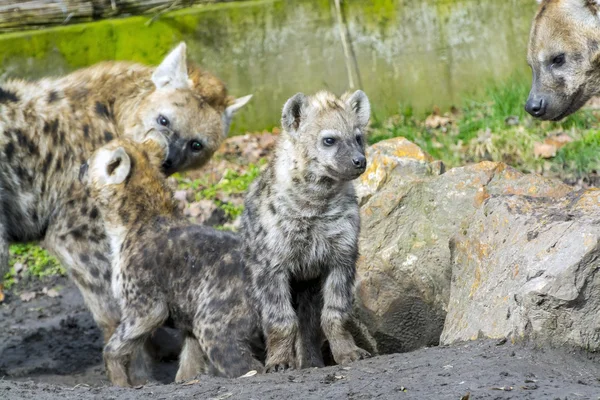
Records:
x=18, y=15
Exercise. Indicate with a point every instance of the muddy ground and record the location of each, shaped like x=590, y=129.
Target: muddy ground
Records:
x=50, y=348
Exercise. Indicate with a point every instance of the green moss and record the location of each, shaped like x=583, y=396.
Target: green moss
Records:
x=420, y=52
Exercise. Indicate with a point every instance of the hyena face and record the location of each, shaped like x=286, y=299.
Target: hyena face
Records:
x=564, y=55
x=194, y=124
x=330, y=132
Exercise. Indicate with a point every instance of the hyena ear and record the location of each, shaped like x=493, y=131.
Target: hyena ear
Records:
x=293, y=112
x=359, y=102
x=117, y=166
x=230, y=111
x=172, y=72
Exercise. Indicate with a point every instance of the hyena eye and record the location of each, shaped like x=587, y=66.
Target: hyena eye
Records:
x=558, y=61
x=196, y=146
x=162, y=120
x=359, y=140
x=329, y=141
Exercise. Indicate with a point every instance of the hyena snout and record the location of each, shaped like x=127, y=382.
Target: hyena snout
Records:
x=176, y=157
x=353, y=165
x=536, y=105
x=360, y=162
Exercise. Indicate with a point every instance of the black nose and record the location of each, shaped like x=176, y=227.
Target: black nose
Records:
x=359, y=162
x=168, y=163
x=536, y=106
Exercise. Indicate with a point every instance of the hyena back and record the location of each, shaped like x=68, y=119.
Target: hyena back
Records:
x=301, y=226
x=166, y=267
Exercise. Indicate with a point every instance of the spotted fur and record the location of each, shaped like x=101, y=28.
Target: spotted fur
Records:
x=301, y=226
x=166, y=267
x=48, y=128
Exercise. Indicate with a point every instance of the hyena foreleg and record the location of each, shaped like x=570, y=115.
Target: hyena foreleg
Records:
x=3, y=256
x=280, y=324
x=337, y=307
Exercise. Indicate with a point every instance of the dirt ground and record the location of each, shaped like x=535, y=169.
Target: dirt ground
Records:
x=50, y=348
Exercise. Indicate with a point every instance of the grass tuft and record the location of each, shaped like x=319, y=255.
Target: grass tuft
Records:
x=38, y=263
x=496, y=127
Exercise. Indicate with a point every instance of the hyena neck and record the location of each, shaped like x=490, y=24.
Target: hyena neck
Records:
x=300, y=186
x=143, y=211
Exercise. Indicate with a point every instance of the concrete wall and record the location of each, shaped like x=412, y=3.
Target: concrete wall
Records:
x=410, y=52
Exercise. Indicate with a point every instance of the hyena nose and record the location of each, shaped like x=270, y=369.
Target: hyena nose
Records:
x=359, y=162
x=536, y=106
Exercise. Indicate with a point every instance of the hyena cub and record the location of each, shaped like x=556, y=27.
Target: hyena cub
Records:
x=301, y=226
x=164, y=266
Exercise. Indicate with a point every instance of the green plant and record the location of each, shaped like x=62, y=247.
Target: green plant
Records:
x=496, y=127
x=39, y=263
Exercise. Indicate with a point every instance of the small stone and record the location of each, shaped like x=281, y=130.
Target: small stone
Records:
x=18, y=267
x=249, y=374
x=28, y=296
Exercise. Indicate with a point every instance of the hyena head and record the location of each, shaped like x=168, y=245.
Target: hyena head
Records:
x=126, y=179
x=189, y=107
x=564, y=55
x=328, y=133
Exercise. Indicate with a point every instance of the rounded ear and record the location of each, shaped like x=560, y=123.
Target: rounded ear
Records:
x=293, y=112
x=116, y=166
x=232, y=108
x=172, y=72
x=359, y=102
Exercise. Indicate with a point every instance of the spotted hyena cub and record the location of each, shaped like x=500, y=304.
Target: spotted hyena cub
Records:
x=301, y=226
x=166, y=267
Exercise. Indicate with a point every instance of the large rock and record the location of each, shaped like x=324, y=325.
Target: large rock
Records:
x=410, y=210
x=527, y=268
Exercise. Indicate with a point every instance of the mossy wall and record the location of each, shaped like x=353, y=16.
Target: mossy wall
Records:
x=410, y=52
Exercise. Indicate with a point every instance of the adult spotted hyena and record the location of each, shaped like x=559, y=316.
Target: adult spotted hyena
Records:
x=48, y=128
x=564, y=55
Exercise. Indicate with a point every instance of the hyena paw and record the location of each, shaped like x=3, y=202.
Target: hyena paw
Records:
x=280, y=365
x=351, y=355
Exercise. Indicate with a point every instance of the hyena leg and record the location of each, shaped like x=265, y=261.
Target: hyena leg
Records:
x=337, y=296
x=192, y=360
x=77, y=238
x=138, y=323
x=279, y=321
x=309, y=299
x=229, y=355
x=3, y=257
